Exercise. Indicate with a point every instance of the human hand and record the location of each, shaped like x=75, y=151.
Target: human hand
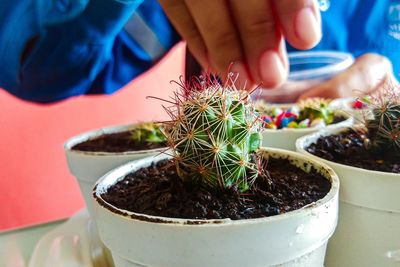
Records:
x=368, y=73
x=250, y=34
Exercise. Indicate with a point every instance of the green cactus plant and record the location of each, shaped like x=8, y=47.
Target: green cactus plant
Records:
x=147, y=132
x=316, y=108
x=214, y=134
x=383, y=121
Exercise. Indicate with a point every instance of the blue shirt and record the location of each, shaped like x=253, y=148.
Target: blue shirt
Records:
x=54, y=49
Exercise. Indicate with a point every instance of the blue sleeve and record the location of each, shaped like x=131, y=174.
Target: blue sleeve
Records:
x=63, y=48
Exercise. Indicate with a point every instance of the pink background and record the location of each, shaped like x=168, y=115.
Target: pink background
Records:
x=35, y=185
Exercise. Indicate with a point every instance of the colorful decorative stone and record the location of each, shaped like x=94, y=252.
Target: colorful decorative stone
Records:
x=270, y=125
x=304, y=123
x=283, y=119
x=276, y=112
x=284, y=122
x=267, y=119
x=310, y=113
x=358, y=104
x=293, y=124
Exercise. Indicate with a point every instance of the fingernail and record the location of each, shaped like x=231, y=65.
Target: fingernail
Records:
x=307, y=27
x=272, y=71
x=242, y=78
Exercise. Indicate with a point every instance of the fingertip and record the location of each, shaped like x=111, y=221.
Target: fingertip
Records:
x=300, y=21
x=272, y=70
x=242, y=78
x=307, y=29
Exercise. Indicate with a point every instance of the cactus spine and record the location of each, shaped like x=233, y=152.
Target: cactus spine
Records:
x=214, y=133
x=383, y=120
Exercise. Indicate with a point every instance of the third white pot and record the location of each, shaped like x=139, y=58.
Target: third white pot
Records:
x=368, y=232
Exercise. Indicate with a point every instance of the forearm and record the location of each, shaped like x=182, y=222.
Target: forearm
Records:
x=72, y=44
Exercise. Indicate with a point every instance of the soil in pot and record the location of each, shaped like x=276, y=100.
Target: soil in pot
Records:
x=115, y=143
x=350, y=148
x=158, y=190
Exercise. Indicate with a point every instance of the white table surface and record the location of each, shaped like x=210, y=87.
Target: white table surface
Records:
x=16, y=246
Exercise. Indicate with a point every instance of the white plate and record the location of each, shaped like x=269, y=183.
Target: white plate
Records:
x=74, y=243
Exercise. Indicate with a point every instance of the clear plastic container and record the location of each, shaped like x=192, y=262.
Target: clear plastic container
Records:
x=307, y=69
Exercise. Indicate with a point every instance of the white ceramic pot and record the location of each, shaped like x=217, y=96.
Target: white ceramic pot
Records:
x=286, y=138
x=368, y=232
x=296, y=238
x=88, y=167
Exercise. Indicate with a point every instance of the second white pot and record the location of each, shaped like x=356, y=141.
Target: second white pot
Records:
x=88, y=167
x=296, y=238
x=368, y=232
x=286, y=138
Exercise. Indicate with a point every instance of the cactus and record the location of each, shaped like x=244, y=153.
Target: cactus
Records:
x=214, y=134
x=147, y=132
x=383, y=119
x=316, y=108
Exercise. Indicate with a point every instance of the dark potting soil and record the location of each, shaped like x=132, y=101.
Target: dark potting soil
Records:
x=157, y=190
x=115, y=142
x=350, y=148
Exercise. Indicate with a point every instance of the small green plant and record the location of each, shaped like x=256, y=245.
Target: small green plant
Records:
x=383, y=119
x=147, y=132
x=214, y=133
x=316, y=108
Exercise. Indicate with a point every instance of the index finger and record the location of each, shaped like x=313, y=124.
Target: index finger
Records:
x=300, y=21
x=262, y=41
